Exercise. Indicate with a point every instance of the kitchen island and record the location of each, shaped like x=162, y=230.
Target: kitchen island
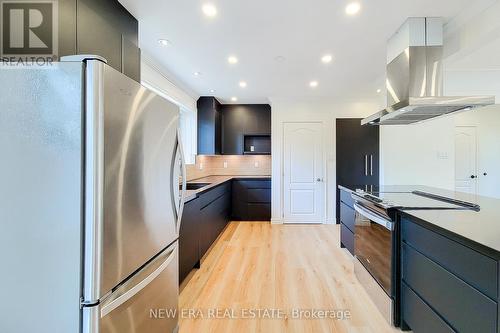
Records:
x=447, y=268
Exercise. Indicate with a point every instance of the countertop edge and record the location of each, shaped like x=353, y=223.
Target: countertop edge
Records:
x=484, y=249
x=224, y=179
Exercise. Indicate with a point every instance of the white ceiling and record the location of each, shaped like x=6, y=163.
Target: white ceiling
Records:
x=258, y=31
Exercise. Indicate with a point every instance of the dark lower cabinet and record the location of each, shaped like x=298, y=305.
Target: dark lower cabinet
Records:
x=188, y=239
x=205, y=217
x=203, y=220
x=347, y=215
x=213, y=218
x=251, y=200
x=446, y=286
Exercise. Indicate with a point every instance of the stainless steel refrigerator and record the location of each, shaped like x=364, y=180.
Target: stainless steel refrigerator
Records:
x=90, y=201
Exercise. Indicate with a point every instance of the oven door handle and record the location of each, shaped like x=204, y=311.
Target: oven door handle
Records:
x=388, y=224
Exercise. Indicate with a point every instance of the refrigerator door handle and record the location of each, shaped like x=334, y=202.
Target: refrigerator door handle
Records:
x=178, y=200
x=184, y=180
x=132, y=287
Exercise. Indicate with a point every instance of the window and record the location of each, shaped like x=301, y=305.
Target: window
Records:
x=188, y=130
x=153, y=79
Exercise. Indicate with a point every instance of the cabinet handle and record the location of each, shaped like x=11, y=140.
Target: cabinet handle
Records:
x=371, y=165
x=366, y=165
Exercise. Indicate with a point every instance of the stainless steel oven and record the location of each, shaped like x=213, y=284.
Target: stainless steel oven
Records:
x=374, y=245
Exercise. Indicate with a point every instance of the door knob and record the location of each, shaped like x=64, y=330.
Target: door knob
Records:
x=472, y=176
x=319, y=180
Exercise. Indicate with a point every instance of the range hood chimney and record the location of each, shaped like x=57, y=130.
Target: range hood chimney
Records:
x=415, y=77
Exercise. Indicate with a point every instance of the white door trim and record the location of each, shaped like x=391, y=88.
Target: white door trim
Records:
x=282, y=171
x=476, y=155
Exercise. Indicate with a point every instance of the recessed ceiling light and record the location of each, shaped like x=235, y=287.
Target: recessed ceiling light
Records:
x=327, y=58
x=280, y=59
x=353, y=8
x=234, y=99
x=209, y=10
x=243, y=84
x=196, y=73
x=232, y=60
x=313, y=84
x=164, y=42
x=379, y=91
x=212, y=90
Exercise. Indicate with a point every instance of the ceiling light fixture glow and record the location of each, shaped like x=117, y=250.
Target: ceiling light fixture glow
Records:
x=232, y=60
x=327, y=58
x=212, y=90
x=243, y=84
x=353, y=8
x=379, y=91
x=234, y=99
x=196, y=73
x=209, y=10
x=313, y=84
x=164, y=42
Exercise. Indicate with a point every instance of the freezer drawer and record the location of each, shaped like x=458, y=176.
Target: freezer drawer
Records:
x=147, y=302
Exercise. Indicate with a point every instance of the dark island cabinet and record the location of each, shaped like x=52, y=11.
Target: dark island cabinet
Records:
x=446, y=286
x=188, y=238
x=103, y=28
x=209, y=126
x=251, y=200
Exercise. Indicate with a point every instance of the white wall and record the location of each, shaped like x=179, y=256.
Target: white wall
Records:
x=425, y=153
x=324, y=111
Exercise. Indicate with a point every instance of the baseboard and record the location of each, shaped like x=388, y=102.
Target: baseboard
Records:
x=276, y=221
x=331, y=221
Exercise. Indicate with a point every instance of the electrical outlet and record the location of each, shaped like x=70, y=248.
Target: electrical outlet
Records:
x=256, y=164
x=225, y=164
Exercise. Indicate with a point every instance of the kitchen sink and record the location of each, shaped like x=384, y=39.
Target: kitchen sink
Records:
x=195, y=186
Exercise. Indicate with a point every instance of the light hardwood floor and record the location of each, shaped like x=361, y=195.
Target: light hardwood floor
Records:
x=256, y=265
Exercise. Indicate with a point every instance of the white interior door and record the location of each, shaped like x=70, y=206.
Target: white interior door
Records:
x=303, y=173
x=466, y=159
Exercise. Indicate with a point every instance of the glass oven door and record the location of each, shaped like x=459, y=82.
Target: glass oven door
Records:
x=373, y=245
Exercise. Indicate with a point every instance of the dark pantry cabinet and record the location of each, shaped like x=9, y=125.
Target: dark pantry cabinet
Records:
x=233, y=129
x=104, y=28
x=357, y=155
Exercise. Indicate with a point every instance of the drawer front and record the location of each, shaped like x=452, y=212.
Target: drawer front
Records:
x=259, y=211
x=259, y=195
x=347, y=216
x=256, y=183
x=419, y=316
x=347, y=238
x=462, y=306
x=214, y=193
x=455, y=257
x=346, y=198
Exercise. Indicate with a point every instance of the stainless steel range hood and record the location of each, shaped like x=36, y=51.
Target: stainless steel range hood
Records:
x=415, y=89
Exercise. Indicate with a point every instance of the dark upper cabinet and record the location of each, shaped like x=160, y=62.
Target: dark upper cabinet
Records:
x=224, y=129
x=209, y=126
x=100, y=27
x=239, y=121
x=357, y=154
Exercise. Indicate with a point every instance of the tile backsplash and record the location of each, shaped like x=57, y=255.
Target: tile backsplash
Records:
x=229, y=165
